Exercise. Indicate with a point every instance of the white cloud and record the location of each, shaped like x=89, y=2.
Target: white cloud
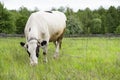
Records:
x=48, y=4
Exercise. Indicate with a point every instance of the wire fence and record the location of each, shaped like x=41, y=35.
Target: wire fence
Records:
x=80, y=35
x=11, y=35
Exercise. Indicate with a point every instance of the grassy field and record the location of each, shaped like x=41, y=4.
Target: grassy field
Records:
x=80, y=59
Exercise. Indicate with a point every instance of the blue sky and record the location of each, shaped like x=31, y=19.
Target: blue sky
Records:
x=48, y=4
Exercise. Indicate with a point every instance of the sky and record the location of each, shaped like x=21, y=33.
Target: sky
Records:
x=48, y=4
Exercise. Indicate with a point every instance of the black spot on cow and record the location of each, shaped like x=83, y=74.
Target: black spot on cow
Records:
x=27, y=46
x=28, y=53
x=29, y=29
x=37, y=51
x=48, y=11
x=43, y=43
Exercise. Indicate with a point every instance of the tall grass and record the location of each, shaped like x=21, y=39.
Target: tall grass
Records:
x=80, y=59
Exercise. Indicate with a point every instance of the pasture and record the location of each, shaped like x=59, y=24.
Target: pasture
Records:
x=80, y=59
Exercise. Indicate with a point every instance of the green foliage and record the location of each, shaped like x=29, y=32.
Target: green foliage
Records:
x=117, y=30
x=6, y=22
x=22, y=19
x=96, y=26
x=73, y=26
x=118, y=13
x=112, y=19
x=24, y=11
x=20, y=23
x=86, y=21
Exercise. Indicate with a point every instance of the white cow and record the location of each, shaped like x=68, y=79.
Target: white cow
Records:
x=42, y=28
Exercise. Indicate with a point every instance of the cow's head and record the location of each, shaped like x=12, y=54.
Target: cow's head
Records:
x=32, y=47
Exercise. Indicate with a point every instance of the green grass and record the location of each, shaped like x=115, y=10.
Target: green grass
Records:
x=80, y=59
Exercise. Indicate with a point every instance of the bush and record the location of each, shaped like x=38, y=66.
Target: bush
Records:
x=74, y=26
x=117, y=31
x=96, y=26
x=20, y=23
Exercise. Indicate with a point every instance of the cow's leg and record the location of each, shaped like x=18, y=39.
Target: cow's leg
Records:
x=57, y=45
x=45, y=54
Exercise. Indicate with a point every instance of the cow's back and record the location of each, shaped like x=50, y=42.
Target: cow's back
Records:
x=56, y=22
x=49, y=23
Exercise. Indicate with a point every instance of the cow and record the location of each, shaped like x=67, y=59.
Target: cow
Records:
x=41, y=28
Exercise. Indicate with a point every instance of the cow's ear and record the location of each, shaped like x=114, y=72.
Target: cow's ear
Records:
x=43, y=43
x=22, y=44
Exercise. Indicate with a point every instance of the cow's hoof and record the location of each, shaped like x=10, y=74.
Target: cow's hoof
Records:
x=56, y=56
x=33, y=64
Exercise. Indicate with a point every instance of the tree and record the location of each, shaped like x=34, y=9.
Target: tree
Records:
x=112, y=19
x=6, y=21
x=102, y=12
x=69, y=11
x=20, y=23
x=118, y=13
x=73, y=26
x=61, y=9
x=117, y=31
x=95, y=26
x=86, y=20
x=24, y=11
x=22, y=19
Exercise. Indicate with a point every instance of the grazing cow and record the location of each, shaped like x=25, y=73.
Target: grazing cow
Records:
x=42, y=28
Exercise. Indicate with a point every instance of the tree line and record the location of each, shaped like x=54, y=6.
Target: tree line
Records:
x=100, y=21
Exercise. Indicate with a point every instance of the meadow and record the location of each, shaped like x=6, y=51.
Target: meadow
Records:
x=85, y=58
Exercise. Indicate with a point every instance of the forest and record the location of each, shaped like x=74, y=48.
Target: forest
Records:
x=99, y=21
